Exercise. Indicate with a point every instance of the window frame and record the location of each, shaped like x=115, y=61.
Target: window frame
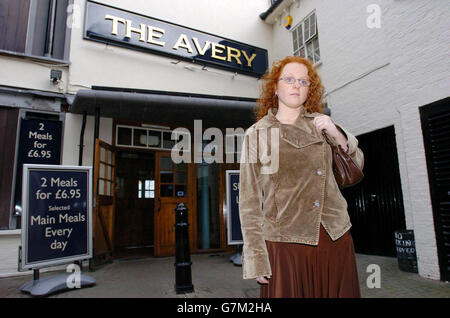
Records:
x=30, y=38
x=312, y=39
x=154, y=130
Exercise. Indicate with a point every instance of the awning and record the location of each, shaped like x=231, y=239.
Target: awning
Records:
x=166, y=108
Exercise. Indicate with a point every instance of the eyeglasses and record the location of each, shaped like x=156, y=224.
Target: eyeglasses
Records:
x=291, y=81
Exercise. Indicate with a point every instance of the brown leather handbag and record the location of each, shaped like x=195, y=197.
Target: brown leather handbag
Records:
x=345, y=169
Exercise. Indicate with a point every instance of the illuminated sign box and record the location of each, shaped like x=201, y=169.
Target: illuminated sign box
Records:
x=135, y=31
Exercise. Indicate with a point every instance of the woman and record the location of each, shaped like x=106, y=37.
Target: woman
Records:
x=294, y=218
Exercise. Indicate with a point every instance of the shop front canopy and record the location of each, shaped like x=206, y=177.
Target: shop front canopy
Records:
x=156, y=107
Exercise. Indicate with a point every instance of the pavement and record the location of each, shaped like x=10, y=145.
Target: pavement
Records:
x=214, y=276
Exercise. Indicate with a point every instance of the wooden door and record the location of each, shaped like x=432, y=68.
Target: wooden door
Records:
x=435, y=120
x=135, y=200
x=173, y=186
x=104, y=202
x=8, y=127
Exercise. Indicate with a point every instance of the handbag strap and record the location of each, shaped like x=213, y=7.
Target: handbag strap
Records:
x=328, y=138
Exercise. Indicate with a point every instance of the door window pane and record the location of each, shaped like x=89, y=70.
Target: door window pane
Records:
x=166, y=163
x=102, y=154
x=166, y=190
x=180, y=190
x=180, y=177
x=166, y=177
x=101, y=187
x=149, y=185
x=108, y=188
x=102, y=170
x=146, y=189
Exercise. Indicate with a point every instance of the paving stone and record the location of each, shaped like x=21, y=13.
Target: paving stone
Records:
x=214, y=276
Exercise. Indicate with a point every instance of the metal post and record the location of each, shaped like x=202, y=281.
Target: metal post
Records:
x=35, y=275
x=183, y=278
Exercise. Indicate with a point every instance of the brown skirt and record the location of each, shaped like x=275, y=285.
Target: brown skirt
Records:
x=300, y=270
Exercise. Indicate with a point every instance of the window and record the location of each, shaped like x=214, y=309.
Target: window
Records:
x=35, y=27
x=146, y=189
x=306, y=39
x=150, y=138
x=106, y=173
x=173, y=179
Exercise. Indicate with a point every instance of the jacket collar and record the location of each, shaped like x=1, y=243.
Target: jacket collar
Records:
x=270, y=120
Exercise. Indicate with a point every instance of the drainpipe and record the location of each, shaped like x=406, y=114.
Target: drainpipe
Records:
x=96, y=134
x=80, y=152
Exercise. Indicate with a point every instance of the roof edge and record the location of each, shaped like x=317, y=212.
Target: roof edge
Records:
x=265, y=14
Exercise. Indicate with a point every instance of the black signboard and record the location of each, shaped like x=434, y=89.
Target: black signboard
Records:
x=57, y=210
x=135, y=31
x=233, y=221
x=39, y=143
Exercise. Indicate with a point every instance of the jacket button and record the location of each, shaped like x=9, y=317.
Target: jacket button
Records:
x=319, y=172
x=316, y=203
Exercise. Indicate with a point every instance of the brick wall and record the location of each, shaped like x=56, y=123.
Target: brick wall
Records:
x=380, y=77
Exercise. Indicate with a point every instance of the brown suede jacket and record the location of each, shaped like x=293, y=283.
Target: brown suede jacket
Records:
x=287, y=192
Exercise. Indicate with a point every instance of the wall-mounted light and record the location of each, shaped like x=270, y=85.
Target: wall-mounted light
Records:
x=55, y=76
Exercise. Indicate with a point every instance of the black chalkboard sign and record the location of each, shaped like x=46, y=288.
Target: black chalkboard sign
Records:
x=39, y=143
x=57, y=213
x=406, y=251
x=233, y=220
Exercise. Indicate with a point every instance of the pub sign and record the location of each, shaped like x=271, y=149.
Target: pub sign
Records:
x=123, y=28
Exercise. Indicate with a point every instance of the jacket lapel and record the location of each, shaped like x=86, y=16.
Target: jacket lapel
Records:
x=300, y=134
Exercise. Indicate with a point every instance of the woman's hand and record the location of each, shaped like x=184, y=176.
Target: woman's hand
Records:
x=324, y=122
x=262, y=280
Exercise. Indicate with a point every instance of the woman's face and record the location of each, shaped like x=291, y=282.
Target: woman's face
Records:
x=292, y=95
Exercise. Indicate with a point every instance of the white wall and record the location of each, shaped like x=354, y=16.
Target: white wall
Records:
x=93, y=63
x=9, y=252
x=23, y=73
x=419, y=46
x=71, y=143
x=379, y=77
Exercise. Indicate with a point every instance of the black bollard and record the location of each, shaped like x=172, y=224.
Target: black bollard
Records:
x=183, y=279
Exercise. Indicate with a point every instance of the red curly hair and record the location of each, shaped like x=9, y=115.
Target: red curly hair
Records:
x=268, y=99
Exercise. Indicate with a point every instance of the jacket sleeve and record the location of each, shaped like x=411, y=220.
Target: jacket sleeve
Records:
x=353, y=150
x=255, y=260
